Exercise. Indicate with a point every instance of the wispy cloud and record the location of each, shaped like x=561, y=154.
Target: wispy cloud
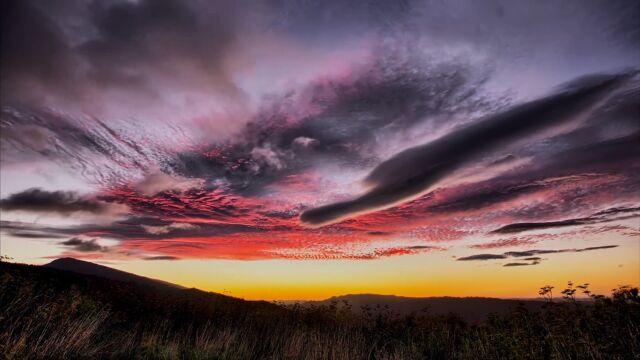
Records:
x=608, y=215
x=415, y=170
x=529, y=255
x=210, y=130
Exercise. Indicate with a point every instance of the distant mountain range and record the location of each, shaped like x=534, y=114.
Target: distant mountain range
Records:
x=471, y=309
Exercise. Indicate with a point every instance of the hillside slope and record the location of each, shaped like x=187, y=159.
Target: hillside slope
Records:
x=89, y=268
x=132, y=297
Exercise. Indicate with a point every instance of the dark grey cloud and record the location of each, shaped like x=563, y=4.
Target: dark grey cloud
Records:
x=519, y=264
x=604, y=147
x=488, y=193
x=76, y=50
x=510, y=26
x=482, y=257
x=608, y=215
x=535, y=260
x=33, y=53
x=412, y=171
x=129, y=228
x=317, y=20
x=524, y=253
x=124, y=44
x=543, y=252
x=597, y=248
x=62, y=202
x=551, y=169
x=520, y=227
x=34, y=235
x=162, y=257
x=385, y=99
x=137, y=37
x=613, y=212
x=529, y=254
x=84, y=245
x=421, y=247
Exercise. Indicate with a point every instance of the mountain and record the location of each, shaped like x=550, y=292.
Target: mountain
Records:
x=471, y=309
x=132, y=296
x=89, y=268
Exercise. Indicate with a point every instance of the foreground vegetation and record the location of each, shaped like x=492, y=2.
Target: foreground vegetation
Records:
x=46, y=313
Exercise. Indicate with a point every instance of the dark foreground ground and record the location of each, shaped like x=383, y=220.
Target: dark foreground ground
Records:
x=56, y=314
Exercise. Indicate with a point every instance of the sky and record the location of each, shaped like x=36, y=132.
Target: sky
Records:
x=299, y=150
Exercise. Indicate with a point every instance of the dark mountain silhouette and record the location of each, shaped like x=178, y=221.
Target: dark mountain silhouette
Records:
x=134, y=296
x=472, y=309
x=89, y=268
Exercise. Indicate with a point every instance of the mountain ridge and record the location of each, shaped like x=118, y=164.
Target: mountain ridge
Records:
x=472, y=309
x=90, y=268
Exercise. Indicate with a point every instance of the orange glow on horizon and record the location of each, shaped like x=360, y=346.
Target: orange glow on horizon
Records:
x=420, y=275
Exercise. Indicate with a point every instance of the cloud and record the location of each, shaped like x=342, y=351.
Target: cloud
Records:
x=422, y=247
x=608, y=215
x=133, y=42
x=519, y=264
x=165, y=229
x=126, y=95
x=482, y=257
x=414, y=170
x=529, y=254
x=61, y=202
x=339, y=120
x=597, y=248
x=131, y=228
x=520, y=227
x=157, y=182
x=34, y=55
x=86, y=146
x=29, y=136
x=79, y=51
x=266, y=155
x=84, y=245
x=161, y=257
x=503, y=243
x=305, y=142
x=34, y=235
x=535, y=260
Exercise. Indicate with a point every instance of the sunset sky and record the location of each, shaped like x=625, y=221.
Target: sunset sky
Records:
x=301, y=150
